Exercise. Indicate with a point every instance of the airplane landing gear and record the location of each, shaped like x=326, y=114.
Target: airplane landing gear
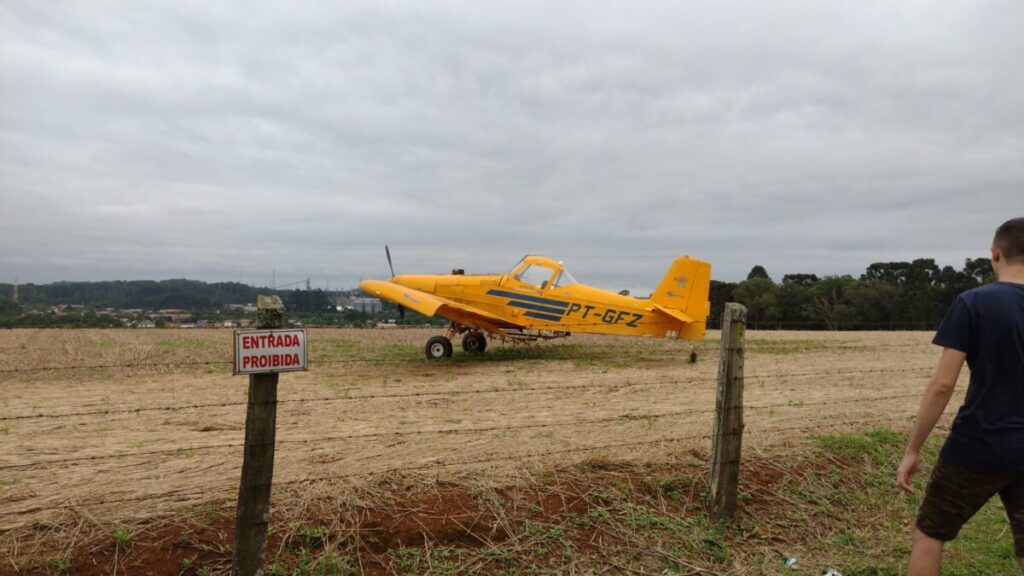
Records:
x=439, y=347
x=474, y=343
x=693, y=356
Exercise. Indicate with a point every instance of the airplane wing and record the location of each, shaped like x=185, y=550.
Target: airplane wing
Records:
x=673, y=312
x=431, y=305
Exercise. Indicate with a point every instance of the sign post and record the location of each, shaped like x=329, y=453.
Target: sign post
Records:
x=262, y=354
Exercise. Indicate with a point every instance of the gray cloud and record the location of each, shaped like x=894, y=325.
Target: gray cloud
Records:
x=224, y=140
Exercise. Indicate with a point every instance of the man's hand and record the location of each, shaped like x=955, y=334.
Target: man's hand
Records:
x=905, y=473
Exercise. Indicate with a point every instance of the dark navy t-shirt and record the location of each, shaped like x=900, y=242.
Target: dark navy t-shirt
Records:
x=987, y=324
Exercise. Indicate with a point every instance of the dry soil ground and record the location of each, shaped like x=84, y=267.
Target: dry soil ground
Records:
x=126, y=425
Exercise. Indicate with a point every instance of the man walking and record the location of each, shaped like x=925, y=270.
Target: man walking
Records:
x=984, y=453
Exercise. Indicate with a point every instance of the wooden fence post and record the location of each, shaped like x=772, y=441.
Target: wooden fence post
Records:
x=728, y=432
x=258, y=460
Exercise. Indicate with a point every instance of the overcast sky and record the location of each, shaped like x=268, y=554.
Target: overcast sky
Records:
x=224, y=140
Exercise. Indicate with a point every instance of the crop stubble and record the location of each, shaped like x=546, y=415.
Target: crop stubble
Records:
x=811, y=380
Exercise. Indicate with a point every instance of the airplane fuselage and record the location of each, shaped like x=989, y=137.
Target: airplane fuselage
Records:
x=576, y=308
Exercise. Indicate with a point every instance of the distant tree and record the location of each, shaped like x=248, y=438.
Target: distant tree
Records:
x=979, y=269
x=922, y=272
x=800, y=279
x=760, y=297
x=720, y=293
x=892, y=272
x=874, y=305
x=793, y=299
x=758, y=271
x=829, y=302
x=9, y=309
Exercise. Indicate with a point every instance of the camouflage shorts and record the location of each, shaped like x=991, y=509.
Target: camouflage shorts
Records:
x=955, y=494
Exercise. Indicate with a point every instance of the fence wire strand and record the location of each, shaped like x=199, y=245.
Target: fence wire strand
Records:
x=781, y=346
x=463, y=462
x=453, y=393
x=454, y=431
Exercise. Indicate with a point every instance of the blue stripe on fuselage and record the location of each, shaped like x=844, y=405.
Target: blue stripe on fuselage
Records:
x=537, y=307
x=527, y=298
x=540, y=316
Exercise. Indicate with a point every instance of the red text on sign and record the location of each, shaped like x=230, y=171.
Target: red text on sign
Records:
x=270, y=361
x=254, y=341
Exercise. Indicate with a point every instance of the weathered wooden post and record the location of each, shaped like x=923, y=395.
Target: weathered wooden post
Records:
x=728, y=432
x=261, y=353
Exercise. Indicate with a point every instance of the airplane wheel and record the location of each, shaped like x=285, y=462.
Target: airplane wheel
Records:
x=693, y=357
x=474, y=343
x=439, y=347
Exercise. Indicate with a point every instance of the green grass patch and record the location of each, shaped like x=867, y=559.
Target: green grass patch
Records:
x=829, y=502
x=877, y=443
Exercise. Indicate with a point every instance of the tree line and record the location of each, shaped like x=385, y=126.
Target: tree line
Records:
x=178, y=294
x=887, y=296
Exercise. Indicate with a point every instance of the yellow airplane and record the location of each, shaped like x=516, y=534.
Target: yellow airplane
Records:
x=539, y=299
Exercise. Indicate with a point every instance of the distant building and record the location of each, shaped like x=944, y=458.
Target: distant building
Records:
x=174, y=314
x=367, y=305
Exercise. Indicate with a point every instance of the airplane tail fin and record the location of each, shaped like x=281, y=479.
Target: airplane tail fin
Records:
x=686, y=287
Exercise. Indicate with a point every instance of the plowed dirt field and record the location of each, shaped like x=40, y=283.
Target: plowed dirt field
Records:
x=117, y=425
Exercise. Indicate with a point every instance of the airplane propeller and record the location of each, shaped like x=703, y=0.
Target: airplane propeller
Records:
x=401, y=309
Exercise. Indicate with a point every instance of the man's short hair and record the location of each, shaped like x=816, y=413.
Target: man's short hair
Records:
x=1010, y=240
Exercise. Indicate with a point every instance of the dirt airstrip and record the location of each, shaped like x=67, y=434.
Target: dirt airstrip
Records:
x=130, y=424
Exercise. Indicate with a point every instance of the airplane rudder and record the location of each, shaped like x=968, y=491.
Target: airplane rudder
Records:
x=698, y=304
x=685, y=286
x=674, y=287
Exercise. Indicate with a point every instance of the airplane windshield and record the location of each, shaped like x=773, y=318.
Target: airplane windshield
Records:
x=535, y=275
x=564, y=279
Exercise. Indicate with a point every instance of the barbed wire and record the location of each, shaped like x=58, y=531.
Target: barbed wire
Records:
x=470, y=462
x=783, y=345
x=329, y=438
x=105, y=366
x=506, y=389
x=454, y=431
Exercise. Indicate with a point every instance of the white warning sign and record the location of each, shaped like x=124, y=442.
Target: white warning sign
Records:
x=263, y=351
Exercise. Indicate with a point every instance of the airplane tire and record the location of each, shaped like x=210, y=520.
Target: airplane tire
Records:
x=474, y=343
x=439, y=347
x=693, y=357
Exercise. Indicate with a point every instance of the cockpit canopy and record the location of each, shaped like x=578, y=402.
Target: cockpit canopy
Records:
x=542, y=273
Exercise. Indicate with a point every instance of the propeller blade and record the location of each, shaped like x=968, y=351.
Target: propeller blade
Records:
x=388, y=252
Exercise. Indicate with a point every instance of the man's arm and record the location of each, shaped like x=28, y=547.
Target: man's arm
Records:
x=933, y=404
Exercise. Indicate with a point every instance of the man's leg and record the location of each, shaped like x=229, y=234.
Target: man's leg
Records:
x=1013, y=500
x=925, y=556
x=952, y=497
